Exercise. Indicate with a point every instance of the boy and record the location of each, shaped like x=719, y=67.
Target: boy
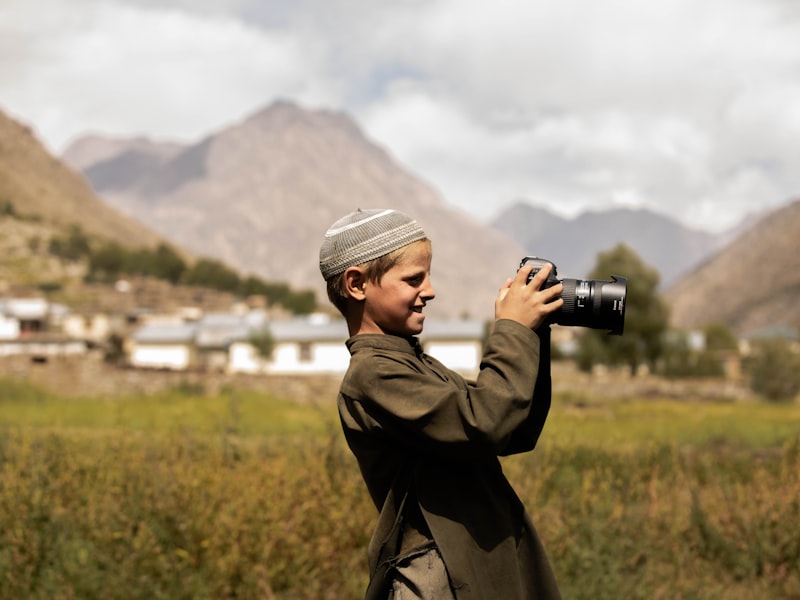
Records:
x=427, y=441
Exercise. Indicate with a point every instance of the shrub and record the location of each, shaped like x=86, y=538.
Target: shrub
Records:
x=774, y=369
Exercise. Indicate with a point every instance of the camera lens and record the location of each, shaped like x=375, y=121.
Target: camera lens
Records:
x=593, y=303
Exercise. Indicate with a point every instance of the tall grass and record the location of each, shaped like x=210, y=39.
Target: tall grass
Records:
x=244, y=495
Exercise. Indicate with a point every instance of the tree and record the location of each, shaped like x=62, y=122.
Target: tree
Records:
x=774, y=369
x=212, y=273
x=680, y=359
x=107, y=262
x=167, y=264
x=719, y=337
x=301, y=302
x=646, y=315
x=74, y=246
x=263, y=342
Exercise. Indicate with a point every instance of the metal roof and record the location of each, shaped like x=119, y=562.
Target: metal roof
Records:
x=165, y=333
x=219, y=330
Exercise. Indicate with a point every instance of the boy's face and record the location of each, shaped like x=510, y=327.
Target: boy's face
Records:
x=394, y=305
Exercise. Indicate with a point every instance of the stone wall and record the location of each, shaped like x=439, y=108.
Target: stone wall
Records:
x=90, y=376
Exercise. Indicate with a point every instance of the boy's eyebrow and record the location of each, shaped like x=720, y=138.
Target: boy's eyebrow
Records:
x=415, y=274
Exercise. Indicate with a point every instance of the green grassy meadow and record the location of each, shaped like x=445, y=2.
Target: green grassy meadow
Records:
x=246, y=495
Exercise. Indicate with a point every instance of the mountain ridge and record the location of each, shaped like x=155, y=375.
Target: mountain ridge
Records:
x=752, y=284
x=573, y=243
x=260, y=194
x=35, y=183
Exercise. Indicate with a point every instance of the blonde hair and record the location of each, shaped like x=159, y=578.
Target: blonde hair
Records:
x=374, y=270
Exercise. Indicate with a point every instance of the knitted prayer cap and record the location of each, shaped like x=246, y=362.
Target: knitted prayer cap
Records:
x=365, y=235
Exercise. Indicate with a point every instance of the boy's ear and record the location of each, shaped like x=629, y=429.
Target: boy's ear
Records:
x=354, y=282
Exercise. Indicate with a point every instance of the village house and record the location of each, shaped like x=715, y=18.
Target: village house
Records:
x=313, y=344
x=32, y=327
x=219, y=341
x=302, y=345
x=163, y=345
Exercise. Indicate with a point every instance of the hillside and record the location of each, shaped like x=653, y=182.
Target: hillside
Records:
x=35, y=184
x=752, y=284
x=573, y=244
x=260, y=194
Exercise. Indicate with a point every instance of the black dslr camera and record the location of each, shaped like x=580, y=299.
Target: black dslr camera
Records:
x=587, y=302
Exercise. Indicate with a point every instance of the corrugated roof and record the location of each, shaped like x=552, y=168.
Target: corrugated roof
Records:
x=166, y=333
x=220, y=330
x=308, y=330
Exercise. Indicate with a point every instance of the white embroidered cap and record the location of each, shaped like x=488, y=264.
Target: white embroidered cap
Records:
x=365, y=235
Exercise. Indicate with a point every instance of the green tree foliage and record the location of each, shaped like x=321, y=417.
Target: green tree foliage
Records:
x=107, y=262
x=275, y=293
x=679, y=359
x=299, y=302
x=7, y=210
x=73, y=246
x=167, y=264
x=302, y=302
x=214, y=274
x=110, y=261
x=719, y=337
x=263, y=342
x=646, y=315
x=774, y=369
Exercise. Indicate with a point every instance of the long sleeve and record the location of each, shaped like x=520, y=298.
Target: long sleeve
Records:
x=414, y=399
x=526, y=435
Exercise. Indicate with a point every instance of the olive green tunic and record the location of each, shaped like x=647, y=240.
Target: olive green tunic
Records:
x=413, y=423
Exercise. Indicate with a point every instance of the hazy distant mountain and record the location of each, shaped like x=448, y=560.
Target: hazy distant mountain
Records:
x=752, y=284
x=573, y=244
x=259, y=195
x=94, y=150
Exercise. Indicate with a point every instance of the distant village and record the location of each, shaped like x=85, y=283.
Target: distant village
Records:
x=190, y=339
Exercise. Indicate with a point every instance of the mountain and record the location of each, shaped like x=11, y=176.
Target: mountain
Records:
x=259, y=195
x=573, y=244
x=34, y=183
x=93, y=149
x=752, y=284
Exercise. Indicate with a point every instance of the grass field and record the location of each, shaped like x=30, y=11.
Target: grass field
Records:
x=244, y=495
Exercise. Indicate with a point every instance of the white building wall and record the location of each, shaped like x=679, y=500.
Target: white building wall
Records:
x=287, y=358
x=244, y=358
x=9, y=328
x=331, y=358
x=176, y=357
x=96, y=327
x=463, y=357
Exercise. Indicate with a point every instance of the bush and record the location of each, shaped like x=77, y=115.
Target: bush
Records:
x=127, y=517
x=73, y=246
x=169, y=496
x=774, y=369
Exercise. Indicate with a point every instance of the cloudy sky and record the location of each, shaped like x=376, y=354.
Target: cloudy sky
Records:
x=689, y=108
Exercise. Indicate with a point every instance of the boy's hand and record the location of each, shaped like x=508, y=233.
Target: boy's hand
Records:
x=527, y=303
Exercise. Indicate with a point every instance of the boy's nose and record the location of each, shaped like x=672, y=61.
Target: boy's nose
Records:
x=428, y=292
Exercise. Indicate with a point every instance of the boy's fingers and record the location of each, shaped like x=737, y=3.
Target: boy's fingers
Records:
x=503, y=291
x=523, y=273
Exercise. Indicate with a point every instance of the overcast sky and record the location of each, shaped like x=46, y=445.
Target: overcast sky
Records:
x=690, y=108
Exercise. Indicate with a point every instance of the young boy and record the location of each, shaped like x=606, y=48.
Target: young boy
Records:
x=427, y=441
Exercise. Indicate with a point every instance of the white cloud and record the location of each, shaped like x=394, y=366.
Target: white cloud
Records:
x=689, y=108
x=123, y=69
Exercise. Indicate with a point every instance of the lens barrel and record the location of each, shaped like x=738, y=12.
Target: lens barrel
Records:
x=587, y=302
x=593, y=303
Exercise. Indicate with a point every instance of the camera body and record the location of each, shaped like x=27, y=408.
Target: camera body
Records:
x=587, y=302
